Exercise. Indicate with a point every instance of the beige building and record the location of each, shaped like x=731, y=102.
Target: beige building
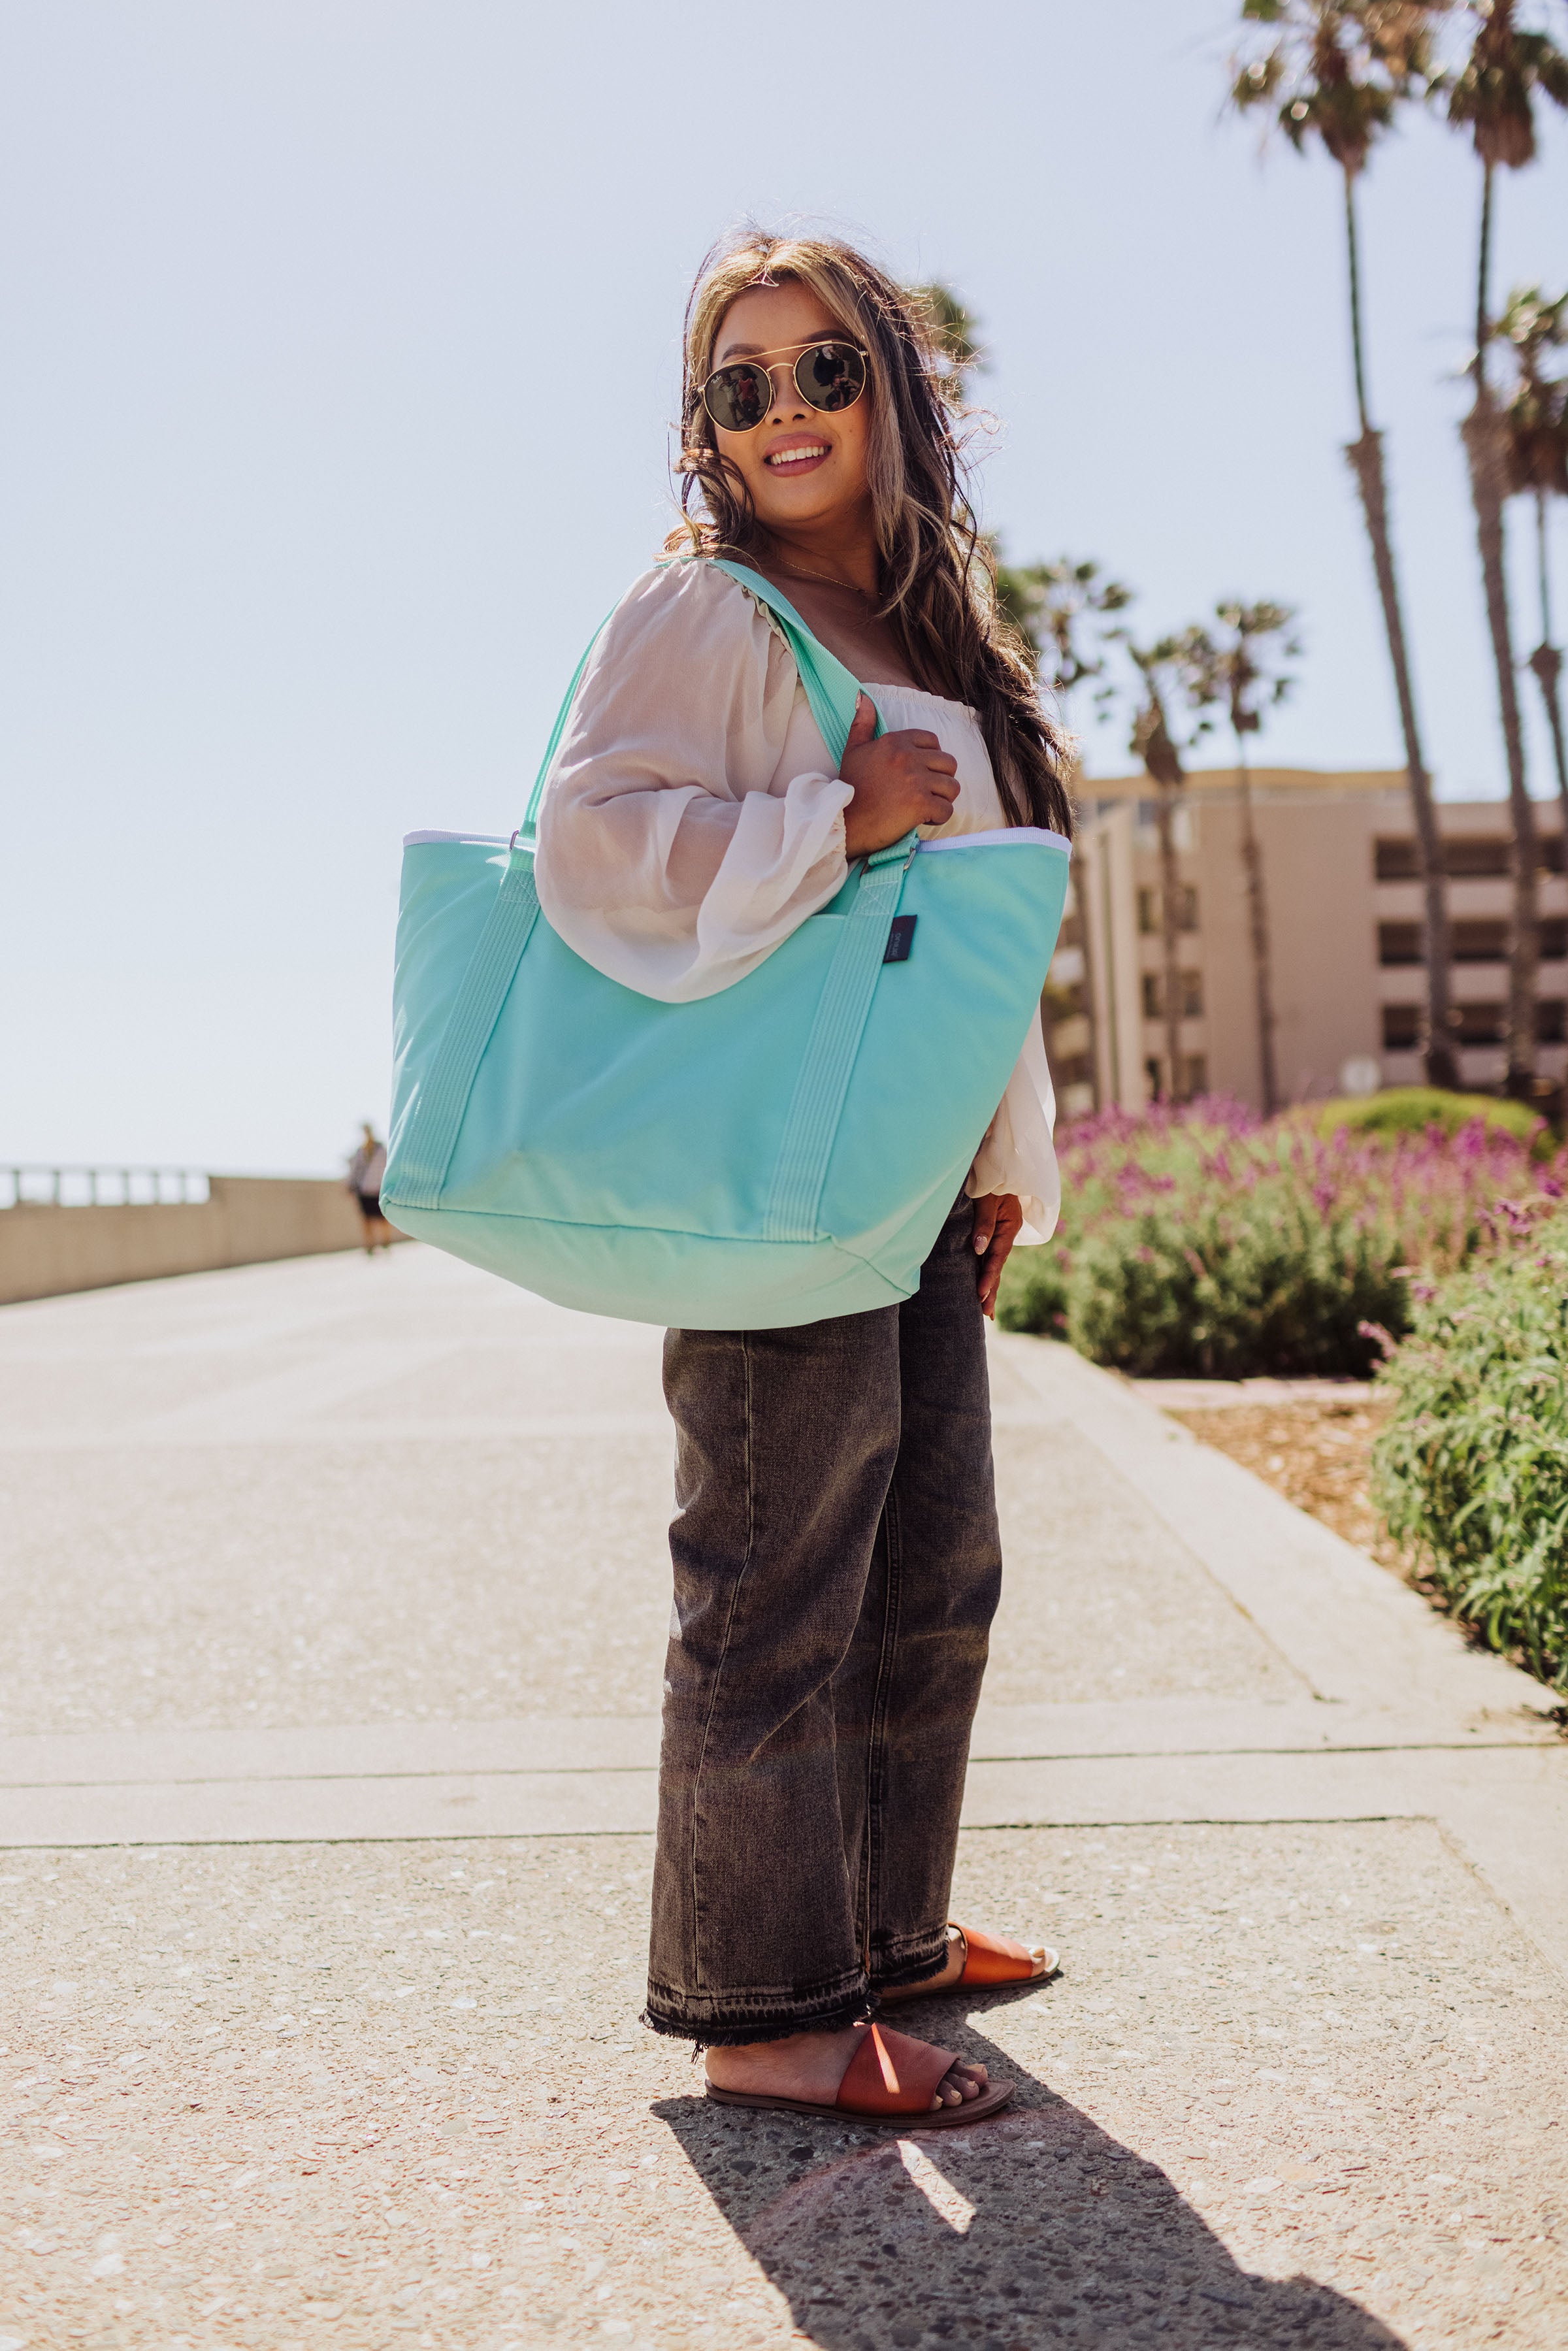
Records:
x=1344, y=921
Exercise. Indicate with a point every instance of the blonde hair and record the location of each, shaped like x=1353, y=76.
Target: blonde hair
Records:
x=937, y=584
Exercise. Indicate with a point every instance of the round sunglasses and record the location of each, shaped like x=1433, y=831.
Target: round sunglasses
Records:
x=829, y=375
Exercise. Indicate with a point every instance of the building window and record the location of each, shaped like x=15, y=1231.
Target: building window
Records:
x=1480, y=857
x=1399, y=943
x=1077, y=1069
x=1553, y=940
x=1473, y=857
x=1395, y=860
x=1191, y=996
x=1552, y=1021
x=1195, y=1076
x=1155, y=1071
x=1401, y=1027
x=1149, y=911
x=1062, y=1001
x=1483, y=1024
x=1480, y=942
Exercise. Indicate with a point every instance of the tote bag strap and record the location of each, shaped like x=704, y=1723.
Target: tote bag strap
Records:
x=832, y=690
x=823, y=1079
x=431, y=1138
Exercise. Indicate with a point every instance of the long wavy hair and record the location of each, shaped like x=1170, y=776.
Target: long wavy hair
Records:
x=938, y=582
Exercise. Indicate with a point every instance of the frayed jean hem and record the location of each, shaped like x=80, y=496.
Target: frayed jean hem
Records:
x=728, y=2031
x=920, y=1961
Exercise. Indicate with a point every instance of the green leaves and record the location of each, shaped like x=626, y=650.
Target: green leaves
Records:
x=1059, y=610
x=1535, y=409
x=1243, y=671
x=1494, y=93
x=1337, y=69
x=953, y=329
x=1472, y=1471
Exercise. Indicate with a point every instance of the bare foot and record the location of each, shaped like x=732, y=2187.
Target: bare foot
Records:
x=810, y=2066
x=953, y=1968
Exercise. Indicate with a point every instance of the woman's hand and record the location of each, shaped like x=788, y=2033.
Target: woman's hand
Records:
x=998, y=1219
x=899, y=780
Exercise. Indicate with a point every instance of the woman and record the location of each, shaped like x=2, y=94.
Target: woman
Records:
x=837, y=1561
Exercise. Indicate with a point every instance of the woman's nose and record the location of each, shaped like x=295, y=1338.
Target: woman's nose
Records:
x=783, y=396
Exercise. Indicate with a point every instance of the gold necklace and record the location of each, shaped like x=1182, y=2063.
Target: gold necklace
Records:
x=793, y=572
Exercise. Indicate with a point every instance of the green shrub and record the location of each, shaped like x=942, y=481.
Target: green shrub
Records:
x=1260, y=1281
x=1472, y=1471
x=1415, y=1110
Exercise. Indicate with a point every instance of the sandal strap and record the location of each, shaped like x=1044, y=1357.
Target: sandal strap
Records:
x=992, y=1960
x=891, y=2074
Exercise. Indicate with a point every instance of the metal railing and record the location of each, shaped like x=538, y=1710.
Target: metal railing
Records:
x=101, y=1188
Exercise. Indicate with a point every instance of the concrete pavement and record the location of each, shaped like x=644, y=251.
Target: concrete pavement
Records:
x=335, y=1596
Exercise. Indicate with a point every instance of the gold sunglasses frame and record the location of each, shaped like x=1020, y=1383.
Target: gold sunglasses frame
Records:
x=822, y=342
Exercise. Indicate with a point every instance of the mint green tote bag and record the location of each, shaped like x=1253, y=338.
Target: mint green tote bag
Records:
x=784, y=1150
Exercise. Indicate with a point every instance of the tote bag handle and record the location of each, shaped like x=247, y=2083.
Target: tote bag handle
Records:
x=832, y=690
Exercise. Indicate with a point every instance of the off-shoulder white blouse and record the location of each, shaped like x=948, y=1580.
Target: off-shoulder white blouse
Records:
x=691, y=820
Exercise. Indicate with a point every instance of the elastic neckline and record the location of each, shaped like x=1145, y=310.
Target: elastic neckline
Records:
x=886, y=685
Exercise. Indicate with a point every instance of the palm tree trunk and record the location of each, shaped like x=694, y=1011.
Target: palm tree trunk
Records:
x=1547, y=663
x=1170, y=930
x=1365, y=456
x=1081, y=895
x=1482, y=436
x=1258, y=916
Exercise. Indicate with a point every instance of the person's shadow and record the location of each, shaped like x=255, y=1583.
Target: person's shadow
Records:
x=1033, y=2229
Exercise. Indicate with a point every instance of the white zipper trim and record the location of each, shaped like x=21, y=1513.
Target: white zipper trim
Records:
x=1010, y=836
x=463, y=839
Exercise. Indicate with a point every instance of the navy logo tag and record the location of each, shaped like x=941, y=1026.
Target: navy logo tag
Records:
x=900, y=938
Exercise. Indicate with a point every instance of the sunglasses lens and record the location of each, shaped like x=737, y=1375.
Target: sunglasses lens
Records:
x=831, y=375
x=738, y=397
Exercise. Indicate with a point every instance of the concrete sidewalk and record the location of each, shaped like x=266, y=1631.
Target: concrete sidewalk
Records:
x=335, y=1596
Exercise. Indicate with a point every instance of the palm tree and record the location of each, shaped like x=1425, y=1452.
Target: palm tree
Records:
x=1243, y=671
x=953, y=330
x=1340, y=70
x=1492, y=97
x=1052, y=606
x=1152, y=740
x=1535, y=455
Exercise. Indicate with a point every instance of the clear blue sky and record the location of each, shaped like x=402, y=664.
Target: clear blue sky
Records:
x=342, y=339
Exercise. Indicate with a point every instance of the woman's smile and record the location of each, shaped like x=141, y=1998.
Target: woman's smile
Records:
x=798, y=454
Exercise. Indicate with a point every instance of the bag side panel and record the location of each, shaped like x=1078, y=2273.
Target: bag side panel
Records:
x=448, y=889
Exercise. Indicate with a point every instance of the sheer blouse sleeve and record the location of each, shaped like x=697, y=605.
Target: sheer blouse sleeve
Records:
x=691, y=819
x=1017, y=1153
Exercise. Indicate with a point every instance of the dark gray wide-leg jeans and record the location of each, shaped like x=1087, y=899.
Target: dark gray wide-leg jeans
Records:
x=837, y=1565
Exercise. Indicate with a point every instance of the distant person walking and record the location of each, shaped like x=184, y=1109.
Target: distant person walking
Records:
x=836, y=1558
x=366, y=1169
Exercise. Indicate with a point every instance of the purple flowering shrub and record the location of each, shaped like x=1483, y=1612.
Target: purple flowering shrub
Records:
x=1200, y=1241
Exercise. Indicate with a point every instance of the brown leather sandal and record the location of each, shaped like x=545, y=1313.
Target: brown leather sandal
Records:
x=989, y=1961
x=889, y=2082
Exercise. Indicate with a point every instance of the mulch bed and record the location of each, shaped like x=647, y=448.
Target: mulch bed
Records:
x=1316, y=1451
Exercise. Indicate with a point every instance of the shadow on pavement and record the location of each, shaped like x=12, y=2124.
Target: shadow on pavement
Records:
x=1034, y=2230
